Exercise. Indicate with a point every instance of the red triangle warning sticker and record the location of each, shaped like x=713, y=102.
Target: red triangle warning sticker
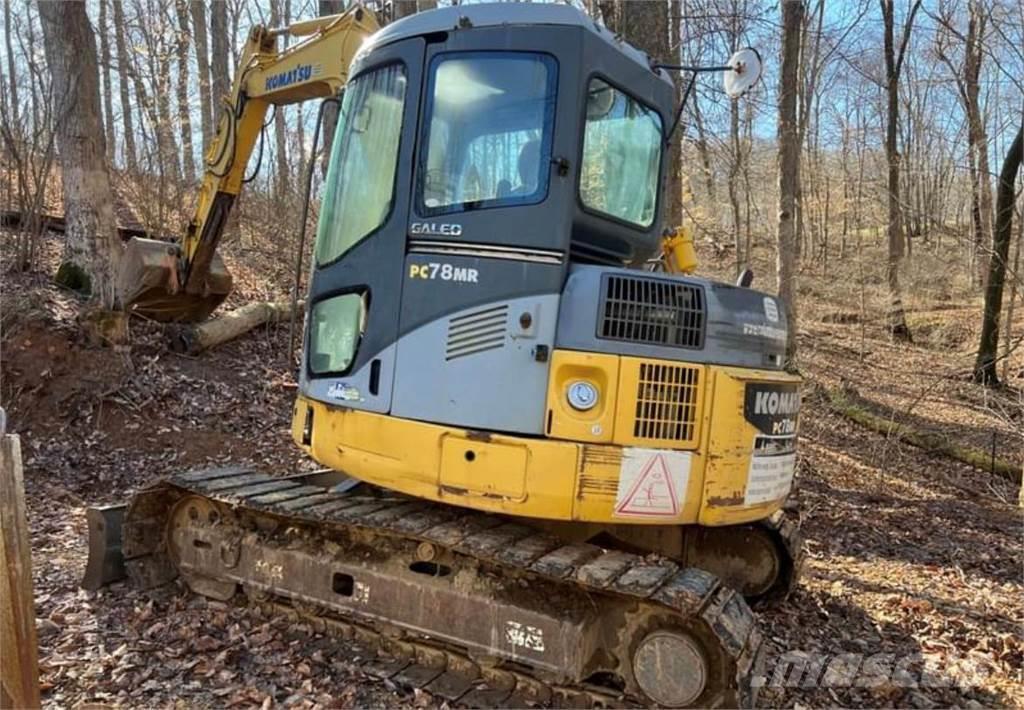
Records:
x=649, y=489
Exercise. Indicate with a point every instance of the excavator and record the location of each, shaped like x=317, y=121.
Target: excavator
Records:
x=555, y=459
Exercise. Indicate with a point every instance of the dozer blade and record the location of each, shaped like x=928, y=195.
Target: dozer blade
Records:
x=150, y=285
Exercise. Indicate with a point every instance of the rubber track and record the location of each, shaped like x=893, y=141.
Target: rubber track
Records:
x=491, y=538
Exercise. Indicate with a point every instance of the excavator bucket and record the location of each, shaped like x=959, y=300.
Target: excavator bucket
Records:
x=151, y=287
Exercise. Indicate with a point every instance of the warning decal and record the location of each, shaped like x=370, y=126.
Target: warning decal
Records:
x=769, y=478
x=652, y=483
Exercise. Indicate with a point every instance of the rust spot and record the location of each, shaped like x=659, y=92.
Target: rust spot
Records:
x=725, y=502
x=476, y=435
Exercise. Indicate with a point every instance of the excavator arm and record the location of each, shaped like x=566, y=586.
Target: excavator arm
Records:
x=185, y=282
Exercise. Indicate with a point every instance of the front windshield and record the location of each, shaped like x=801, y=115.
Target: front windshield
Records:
x=360, y=182
x=490, y=118
x=621, y=156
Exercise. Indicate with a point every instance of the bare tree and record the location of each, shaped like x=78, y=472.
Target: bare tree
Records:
x=968, y=80
x=123, y=70
x=220, y=50
x=789, y=166
x=108, y=101
x=184, y=112
x=279, y=14
x=897, y=319
x=329, y=7
x=985, y=364
x=92, y=248
x=206, y=104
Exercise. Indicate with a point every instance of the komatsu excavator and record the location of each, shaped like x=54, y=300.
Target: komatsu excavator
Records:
x=553, y=474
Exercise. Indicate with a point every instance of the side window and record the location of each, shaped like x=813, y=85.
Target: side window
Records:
x=622, y=145
x=336, y=326
x=360, y=186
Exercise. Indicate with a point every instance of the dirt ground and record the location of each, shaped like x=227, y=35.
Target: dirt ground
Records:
x=913, y=558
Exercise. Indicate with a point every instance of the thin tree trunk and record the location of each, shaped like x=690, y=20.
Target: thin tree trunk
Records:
x=92, y=247
x=703, y=152
x=734, y=173
x=329, y=7
x=207, y=105
x=124, y=69
x=985, y=364
x=282, y=176
x=12, y=75
x=789, y=168
x=897, y=320
x=108, y=100
x=1011, y=304
x=184, y=114
x=219, y=41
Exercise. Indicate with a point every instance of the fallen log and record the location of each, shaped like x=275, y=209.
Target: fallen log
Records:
x=848, y=405
x=193, y=339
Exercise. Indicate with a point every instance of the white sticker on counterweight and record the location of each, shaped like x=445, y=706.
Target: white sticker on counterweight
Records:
x=769, y=478
x=652, y=483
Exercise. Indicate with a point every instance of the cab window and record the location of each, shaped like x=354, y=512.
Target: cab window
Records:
x=622, y=144
x=488, y=131
x=360, y=185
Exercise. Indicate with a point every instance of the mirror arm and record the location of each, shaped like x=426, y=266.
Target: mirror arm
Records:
x=682, y=105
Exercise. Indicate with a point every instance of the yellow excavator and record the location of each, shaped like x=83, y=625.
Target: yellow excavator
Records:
x=553, y=473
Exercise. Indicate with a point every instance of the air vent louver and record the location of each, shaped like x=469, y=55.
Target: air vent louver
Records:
x=477, y=332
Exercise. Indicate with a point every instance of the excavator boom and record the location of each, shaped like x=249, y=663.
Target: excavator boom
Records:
x=185, y=282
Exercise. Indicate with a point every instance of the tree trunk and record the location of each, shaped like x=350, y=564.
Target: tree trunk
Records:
x=283, y=173
x=645, y=25
x=207, y=106
x=123, y=70
x=12, y=75
x=897, y=320
x=985, y=364
x=184, y=114
x=108, y=100
x=329, y=7
x=228, y=326
x=402, y=8
x=220, y=51
x=92, y=248
x=974, y=51
x=789, y=168
x=704, y=153
x=734, y=175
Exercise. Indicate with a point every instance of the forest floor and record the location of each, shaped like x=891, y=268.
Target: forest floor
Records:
x=913, y=557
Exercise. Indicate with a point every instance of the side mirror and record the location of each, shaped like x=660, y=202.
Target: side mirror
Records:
x=744, y=71
x=745, y=278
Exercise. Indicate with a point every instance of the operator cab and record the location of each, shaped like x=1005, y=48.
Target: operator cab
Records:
x=494, y=167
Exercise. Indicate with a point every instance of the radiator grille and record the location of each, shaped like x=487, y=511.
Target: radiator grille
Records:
x=654, y=311
x=666, y=402
x=477, y=332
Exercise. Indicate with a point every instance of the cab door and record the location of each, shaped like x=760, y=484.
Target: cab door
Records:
x=355, y=291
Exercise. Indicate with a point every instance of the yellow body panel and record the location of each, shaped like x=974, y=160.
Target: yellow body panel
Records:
x=585, y=474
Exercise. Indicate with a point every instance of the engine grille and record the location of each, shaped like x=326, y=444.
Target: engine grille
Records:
x=666, y=403
x=476, y=332
x=654, y=311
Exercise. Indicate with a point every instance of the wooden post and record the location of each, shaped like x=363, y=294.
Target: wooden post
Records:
x=19, y=671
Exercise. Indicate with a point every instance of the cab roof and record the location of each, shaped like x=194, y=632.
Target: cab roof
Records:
x=496, y=14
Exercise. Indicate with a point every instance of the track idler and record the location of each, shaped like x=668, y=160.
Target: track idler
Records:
x=762, y=560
